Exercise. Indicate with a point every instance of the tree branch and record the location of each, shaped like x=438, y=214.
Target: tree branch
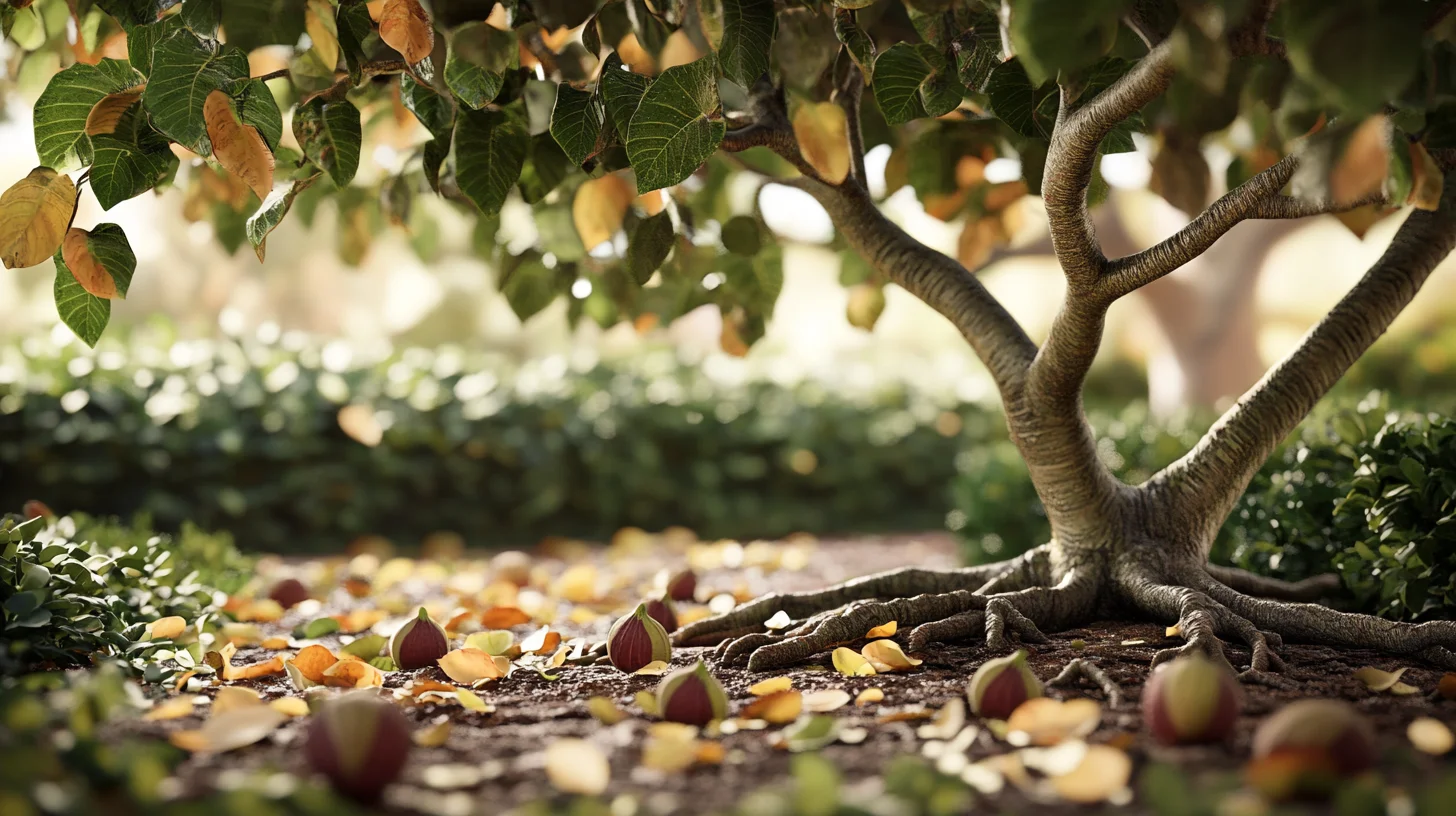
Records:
x=1207, y=482
x=848, y=95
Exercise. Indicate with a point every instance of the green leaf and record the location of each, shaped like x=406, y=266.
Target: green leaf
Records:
x=185, y=69
x=136, y=12
x=741, y=235
x=108, y=245
x=433, y=110
x=651, y=31
x=529, y=286
x=545, y=171
x=270, y=214
x=254, y=23
x=1014, y=100
x=648, y=246
x=84, y=313
x=480, y=56
x=257, y=107
x=354, y=27
x=129, y=161
x=860, y=45
x=1053, y=35
x=576, y=124
x=674, y=129
x=331, y=137
x=1413, y=472
x=202, y=16
x=367, y=647
x=914, y=81
x=978, y=51
x=142, y=40
x=316, y=628
x=7, y=19
x=748, y=31
x=1360, y=55
x=490, y=150
x=61, y=110
x=622, y=91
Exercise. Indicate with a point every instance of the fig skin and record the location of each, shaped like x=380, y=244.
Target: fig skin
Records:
x=682, y=586
x=289, y=592
x=1000, y=685
x=636, y=640
x=1333, y=727
x=418, y=644
x=691, y=696
x=1191, y=700
x=662, y=611
x=360, y=743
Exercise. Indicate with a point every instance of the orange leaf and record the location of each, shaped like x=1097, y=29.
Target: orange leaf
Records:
x=353, y=674
x=239, y=148
x=313, y=661
x=107, y=113
x=823, y=134
x=1361, y=169
x=267, y=668
x=503, y=617
x=93, y=277
x=405, y=26
x=599, y=208
x=470, y=665
x=1427, y=182
x=779, y=707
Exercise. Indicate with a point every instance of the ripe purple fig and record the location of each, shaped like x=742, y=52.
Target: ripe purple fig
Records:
x=289, y=592
x=691, y=696
x=1191, y=700
x=419, y=643
x=662, y=611
x=636, y=640
x=682, y=586
x=1000, y=685
x=360, y=743
x=1308, y=742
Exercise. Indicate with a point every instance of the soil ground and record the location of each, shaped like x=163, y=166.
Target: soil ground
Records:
x=494, y=761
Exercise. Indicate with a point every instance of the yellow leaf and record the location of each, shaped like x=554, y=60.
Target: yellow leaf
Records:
x=541, y=641
x=577, y=766
x=174, y=708
x=433, y=736
x=359, y=424
x=1427, y=181
x=599, y=207
x=239, y=148
x=647, y=701
x=823, y=134
x=977, y=241
x=230, y=698
x=1045, y=721
x=318, y=21
x=869, y=695
x=471, y=701
x=825, y=700
x=405, y=26
x=230, y=730
x=274, y=643
x=850, y=664
x=635, y=56
x=887, y=656
x=353, y=673
x=494, y=642
x=470, y=665
x=656, y=668
x=678, y=50
x=93, y=277
x=105, y=114
x=313, y=661
x=772, y=685
x=1430, y=736
x=167, y=628
x=1361, y=169
x=34, y=216
x=778, y=708
x=887, y=630
x=578, y=584
x=1102, y=773
x=604, y=711
x=1377, y=680
x=291, y=706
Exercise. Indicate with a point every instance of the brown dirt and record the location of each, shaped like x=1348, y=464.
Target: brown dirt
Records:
x=531, y=712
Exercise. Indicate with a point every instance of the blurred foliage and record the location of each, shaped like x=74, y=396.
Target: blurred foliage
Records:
x=77, y=589
x=246, y=436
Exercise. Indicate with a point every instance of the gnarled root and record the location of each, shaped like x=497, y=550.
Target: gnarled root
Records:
x=1083, y=669
x=1260, y=586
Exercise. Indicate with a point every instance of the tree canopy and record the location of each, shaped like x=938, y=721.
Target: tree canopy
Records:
x=626, y=125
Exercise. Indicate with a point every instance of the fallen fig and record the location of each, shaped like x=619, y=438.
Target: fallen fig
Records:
x=691, y=696
x=419, y=643
x=1000, y=685
x=682, y=586
x=360, y=743
x=1191, y=700
x=662, y=611
x=1307, y=747
x=289, y=592
x=636, y=640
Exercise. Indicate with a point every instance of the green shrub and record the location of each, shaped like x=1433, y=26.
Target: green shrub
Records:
x=75, y=590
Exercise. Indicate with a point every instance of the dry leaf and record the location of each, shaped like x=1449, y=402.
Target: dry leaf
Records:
x=1173, y=631
x=173, y=709
x=353, y=673
x=1430, y=736
x=635, y=56
x=542, y=641
x=1045, y=721
x=825, y=700
x=433, y=736
x=165, y=628
x=779, y=620
x=313, y=661
x=1378, y=680
x=869, y=695
x=472, y=665
x=823, y=134
x=656, y=668
x=1427, y=181
x=1447, y=686
x=604, y=711
x=887, y=656
x=948, y=721
x=1102, y=774
x=405, y=26
x=495, y=642
x=318, y=21
x=678, y=50
x=851, y=664
x=1361, y=169
x=578, y=584
x=977, y=242
x=577, y=766
x=359, y=424
x=772, y=685
x=778, y=708
x=1403, y=689
x=471, y=701
x=230, y=730
x=105, y=115
x=599, y=208
x=291, y=706
x=266, y=668
x=239, y=148
x=503, y=617
x=887, y=630
x=34, y=216
x=231, y=698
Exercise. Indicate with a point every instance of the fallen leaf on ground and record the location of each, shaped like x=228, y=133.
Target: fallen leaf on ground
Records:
x=471, y=701
x=851, y=664
x=1045, y=721
x=1102, y=775
x=778, y=708
x=231, y=698
x=780, y=620
x=433, y=736
x=542, y=641
x=577, y=766
x=353, y=673
x=1430, y=736
x=770, y=686
x=1377, y=679
x=274, y=644
x=167, y=628
x=291, y=706
x=471, y=665
x=605, y=711
x=947, y=722
x=173, y=709
x=230, y=730
x=494, y=642
x=884, y=631
x=887, y=656
x=656, y=668
x=825, y=700
x=647, y=701
x=869, y=695
x=266, y=668
x=503, y=617
x=312, y=661
x=1447, y=686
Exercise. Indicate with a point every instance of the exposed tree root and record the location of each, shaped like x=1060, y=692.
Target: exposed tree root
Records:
x=1306, y=591
x=1016, y=599
x=1082, y=669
